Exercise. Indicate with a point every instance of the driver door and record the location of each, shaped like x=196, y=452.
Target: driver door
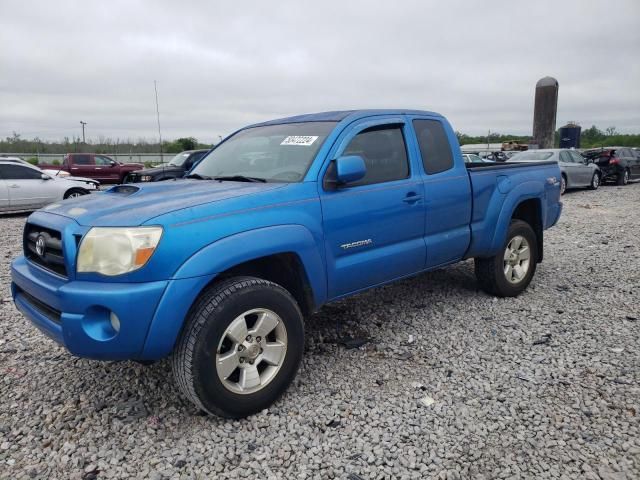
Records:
x=4, y=194
x=373, y=227
x=106, y=169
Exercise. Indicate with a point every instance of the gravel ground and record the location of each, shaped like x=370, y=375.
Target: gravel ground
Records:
x=452, y=383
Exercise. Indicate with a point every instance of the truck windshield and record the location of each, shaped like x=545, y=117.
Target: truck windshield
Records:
x=179, y=159
x=276, y=153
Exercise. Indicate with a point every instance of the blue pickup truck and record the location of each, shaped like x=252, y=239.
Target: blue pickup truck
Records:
x=219, y=270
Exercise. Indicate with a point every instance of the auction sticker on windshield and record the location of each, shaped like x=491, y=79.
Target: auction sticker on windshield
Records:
x=302, y=140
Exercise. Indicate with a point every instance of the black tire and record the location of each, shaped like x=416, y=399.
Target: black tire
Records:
x=194, y=357
x=490, y=271
x=75, y=192
x=595, y=181
x=623, y=178
x=563, y=184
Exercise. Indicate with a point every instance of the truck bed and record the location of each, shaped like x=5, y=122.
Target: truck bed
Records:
x=497, y=188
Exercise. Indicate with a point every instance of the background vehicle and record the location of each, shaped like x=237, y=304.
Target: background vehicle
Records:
x=619, y=164
x=95, y=166
x=218, y=271
x=473, y=158
x=576, y=170
x=176, y=168
x=25, y=187
x=90, y=182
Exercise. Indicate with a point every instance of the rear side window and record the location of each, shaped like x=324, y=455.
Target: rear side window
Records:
x=384, y=153
x=577, y=158
x=81, y=159
x=565, y=157
x=18, y=172
x=434, y=146
x=102, y=161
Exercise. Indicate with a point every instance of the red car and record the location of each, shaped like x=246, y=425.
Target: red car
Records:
x=95, y=166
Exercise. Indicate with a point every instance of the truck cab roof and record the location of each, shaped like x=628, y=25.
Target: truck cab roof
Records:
x=340, y=115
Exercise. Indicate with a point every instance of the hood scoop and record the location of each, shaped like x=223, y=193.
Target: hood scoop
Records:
x=124, y=190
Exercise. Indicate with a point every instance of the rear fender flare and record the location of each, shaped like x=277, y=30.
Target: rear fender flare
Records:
x=522, y=192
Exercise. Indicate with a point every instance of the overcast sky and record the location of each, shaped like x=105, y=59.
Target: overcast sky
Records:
x=221, y=65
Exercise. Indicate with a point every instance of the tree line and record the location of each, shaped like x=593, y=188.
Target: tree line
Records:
x=590, y=138
x=17, y=144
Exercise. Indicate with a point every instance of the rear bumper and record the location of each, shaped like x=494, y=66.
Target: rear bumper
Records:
x=611, y=172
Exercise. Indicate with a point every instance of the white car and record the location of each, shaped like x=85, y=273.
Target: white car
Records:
x=24, y=187
x=51, y=172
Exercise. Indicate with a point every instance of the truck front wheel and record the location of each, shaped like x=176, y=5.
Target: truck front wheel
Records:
x=509, y=272
x=240, y=348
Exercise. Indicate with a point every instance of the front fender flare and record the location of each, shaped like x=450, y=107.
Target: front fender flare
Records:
x=252, y=244
x=202, y=267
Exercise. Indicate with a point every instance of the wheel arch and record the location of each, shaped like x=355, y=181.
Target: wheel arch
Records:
x=524, y=203
x=287, y=255
x=69, y=190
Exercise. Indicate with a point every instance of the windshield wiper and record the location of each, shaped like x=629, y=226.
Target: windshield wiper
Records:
x=197, y=176
x=240, y=178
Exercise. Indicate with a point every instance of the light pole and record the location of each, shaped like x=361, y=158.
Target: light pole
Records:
x=155, y=87
x=83, y=124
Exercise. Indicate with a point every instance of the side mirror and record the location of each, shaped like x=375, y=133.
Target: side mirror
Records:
x=113, y=163
x=44, y=176
x=350, y=168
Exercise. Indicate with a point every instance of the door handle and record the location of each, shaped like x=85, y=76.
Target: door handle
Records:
x=14, y=186
x=412, y=197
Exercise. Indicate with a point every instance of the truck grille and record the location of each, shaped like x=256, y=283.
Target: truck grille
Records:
x=43, y=246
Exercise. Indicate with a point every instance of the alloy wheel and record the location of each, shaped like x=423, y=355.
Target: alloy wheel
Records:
x=251, y=351
x=517, y=259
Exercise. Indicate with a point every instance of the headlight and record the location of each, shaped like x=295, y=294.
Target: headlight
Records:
x=114, y=251
x=145, y=178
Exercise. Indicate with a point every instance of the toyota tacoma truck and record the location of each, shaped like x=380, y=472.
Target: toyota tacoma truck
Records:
x=218, y=271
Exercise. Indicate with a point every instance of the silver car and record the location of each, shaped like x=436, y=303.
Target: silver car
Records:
x=576, y=170
x=26, y=188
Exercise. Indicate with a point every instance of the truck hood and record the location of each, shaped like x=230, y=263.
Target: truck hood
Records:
x=134, y=204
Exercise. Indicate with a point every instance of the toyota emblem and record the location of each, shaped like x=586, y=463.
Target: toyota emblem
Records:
x=41, y=245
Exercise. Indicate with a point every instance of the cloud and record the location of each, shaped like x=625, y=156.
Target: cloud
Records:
x=221, y=65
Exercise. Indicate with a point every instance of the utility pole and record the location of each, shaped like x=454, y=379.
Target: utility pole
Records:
x=83, y=124
x=155, y=86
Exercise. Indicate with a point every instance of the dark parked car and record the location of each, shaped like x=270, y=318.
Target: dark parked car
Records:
x=619, y=164
x=176, y=168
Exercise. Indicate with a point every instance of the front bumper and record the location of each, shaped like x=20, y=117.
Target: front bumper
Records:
x=76, y=314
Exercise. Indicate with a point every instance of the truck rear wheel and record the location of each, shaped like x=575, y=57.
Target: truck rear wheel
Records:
x=509, y=272
x=240, y=348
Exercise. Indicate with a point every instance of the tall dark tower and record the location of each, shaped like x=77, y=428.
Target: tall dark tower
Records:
x=544, y=112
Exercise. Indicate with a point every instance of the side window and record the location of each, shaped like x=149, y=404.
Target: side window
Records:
x=577, y=158
x=384, y=153
x=81, y=159
x=192, y=160
x=18, y=172
x=102, y=161
x=434, y=146
x=565, y=157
